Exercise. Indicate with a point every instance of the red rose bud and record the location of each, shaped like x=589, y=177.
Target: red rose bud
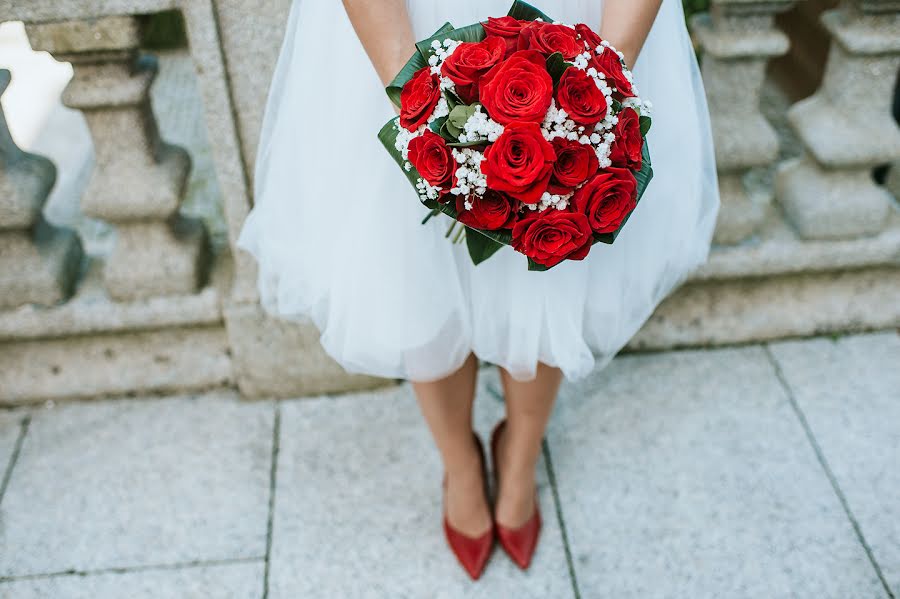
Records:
x=491, y=212
x=505, y=28
x=418, y=98
x=609, y=63
x=469, y=62
x=548, y=38
x=551, y=236
x=575, y=164
x=607, y=199
x=626, y=149
x=518, y=89
x=588, y=36
x=580, y=97
x=520, y=162
x=429, y=154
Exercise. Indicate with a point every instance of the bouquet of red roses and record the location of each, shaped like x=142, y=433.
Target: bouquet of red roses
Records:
x=527, y=132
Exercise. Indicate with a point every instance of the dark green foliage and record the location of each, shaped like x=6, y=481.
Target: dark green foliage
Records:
x=692, y=7
x=163, y=31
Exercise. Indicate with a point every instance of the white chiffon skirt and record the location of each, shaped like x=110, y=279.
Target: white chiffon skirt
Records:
x=336, y=227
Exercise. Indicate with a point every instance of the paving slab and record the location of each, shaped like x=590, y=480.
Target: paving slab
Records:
x=230, y=581
x=119, y=484
x=849, y=392
x=358, y=507
x=687, y=474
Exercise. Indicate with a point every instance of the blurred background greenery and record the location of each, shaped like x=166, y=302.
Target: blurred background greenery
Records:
x=166, y=30
x=694, y=6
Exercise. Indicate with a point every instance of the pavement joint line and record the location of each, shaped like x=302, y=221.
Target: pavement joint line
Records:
x=551, y=476
x=829, y=473
x=132, y=569
x=273, y=484
x=24, y=425
x=570, y=563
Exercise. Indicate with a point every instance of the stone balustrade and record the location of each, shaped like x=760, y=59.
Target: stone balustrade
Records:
x=139, y=180
x=162, y=312
x=737, y=39
x=847, y=128
x=38, y=262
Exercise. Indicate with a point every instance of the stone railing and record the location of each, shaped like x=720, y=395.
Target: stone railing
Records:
x=807, y=241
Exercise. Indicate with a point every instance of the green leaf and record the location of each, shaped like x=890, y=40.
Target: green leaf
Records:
x=459, y=115
x=452, y=99
x=532, y=265
x=450, y=132
x=413, y=65
x=437, y=124
x=526, y=12
x=467, y=144
x=645, y=125
x=556, y=66
x=469, y=33
x=480, y=246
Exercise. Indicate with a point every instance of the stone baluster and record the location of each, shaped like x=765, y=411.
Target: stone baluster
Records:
x=39, y=263
x=139, y=180
x=737, y=38
x=846, y=127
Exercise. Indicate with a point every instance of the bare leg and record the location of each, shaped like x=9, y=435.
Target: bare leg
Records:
x=447, y=407
x=528, y=408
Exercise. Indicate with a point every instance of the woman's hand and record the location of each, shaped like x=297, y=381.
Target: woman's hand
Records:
x=626, y=24
x=386, y=33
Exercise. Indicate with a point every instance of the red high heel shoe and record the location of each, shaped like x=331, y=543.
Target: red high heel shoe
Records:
x=519, y=543
x=472, y=552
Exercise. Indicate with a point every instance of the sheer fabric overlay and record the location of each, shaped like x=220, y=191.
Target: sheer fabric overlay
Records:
x=336, y=227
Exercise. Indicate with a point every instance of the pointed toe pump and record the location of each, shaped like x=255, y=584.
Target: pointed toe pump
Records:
x=520, y=542
x=472, y=552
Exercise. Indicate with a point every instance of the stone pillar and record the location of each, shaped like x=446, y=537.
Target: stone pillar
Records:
x=737, y=38
x=38, y=263
x=139, y=180
x=847, y=127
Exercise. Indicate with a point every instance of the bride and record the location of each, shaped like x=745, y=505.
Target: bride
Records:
x=337, y=235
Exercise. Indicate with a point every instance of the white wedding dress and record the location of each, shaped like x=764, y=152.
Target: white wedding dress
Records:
x=336, y=226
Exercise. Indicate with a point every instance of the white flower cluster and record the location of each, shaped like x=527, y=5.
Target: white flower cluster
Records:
x=469, y=178
x=404, y=136
x=548, y=200
x=479, y=126
x=558, y=124
x=442, y=109
x=426, y=191
x=442, y=51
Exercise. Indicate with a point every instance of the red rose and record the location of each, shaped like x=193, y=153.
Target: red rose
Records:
x=418, y=98
x=578, y=94
x=492, y=211
x=575, y=164
x=609, y=63
x=518, y=89
x=588, y=36
x=519, y=162
x=548, y=38
x=469, y=62
x=607, y=199
x=506, y=28
x=626, y=149
x=429, y=154
x=551, y=236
